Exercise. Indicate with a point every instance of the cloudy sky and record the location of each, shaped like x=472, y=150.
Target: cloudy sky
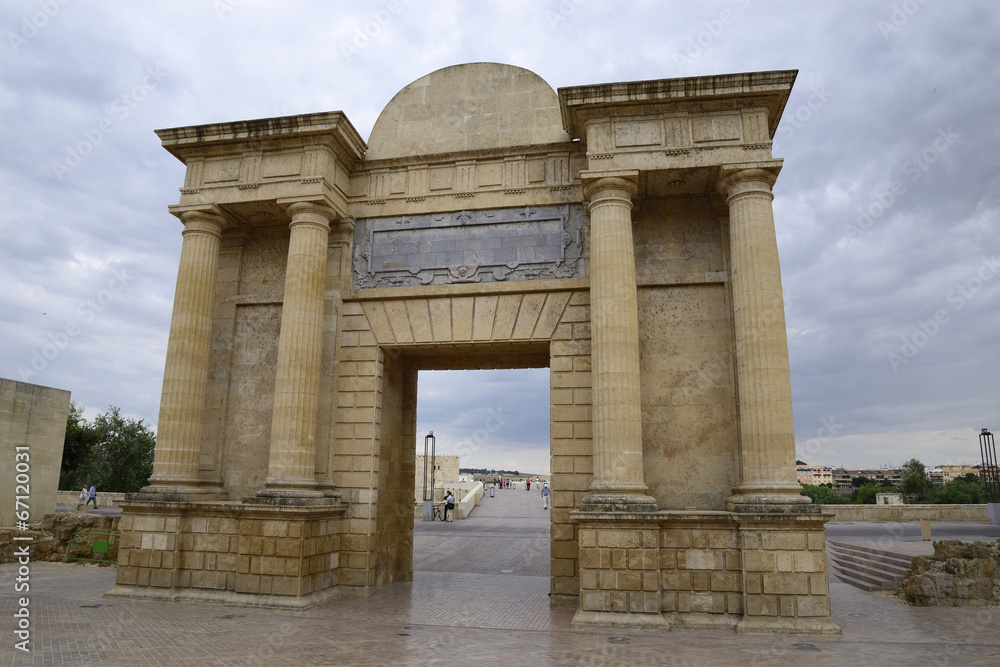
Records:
x=886, y=210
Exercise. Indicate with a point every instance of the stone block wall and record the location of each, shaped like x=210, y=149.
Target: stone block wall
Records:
x=32, y=433
x=571, y=431
x=283, y=557
x=704, y=570
x=619, y=568
x=785, y=578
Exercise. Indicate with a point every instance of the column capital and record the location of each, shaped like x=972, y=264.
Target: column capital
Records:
x=317, y=206
x=737, y=179
x=346, y=225
x=205, y=219
x=619, y=184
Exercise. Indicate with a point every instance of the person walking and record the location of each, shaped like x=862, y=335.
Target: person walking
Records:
x=449, y=506
x=545, y=494
x=92, y=495
x=527, y=484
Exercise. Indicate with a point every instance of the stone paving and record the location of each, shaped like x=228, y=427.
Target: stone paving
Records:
x=463, y=608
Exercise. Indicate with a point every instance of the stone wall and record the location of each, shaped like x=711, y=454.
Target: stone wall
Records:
x=32, y=433
x=705, y=570
x=907, y=512
x=252, y=555
x=50, y=537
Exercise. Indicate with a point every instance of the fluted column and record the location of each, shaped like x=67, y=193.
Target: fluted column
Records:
x=292, y=460
x=178, y=442
x=767, y=436
x=618, y=483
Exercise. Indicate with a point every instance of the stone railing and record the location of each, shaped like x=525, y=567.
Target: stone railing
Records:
x=468, y=503
x=908, y=512
x=464, y=504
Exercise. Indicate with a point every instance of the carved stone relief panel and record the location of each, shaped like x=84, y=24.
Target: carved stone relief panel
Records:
x=531, y=243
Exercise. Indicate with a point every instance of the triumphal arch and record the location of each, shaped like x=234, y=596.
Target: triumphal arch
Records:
x=619, y=234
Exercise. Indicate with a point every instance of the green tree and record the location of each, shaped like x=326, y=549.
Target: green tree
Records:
x=858, y=482
x=113, y=452
x=822, y=494
x=915, y=486
x=123, y=455
x=78, y=448
x=966, y=490
x=865, y=494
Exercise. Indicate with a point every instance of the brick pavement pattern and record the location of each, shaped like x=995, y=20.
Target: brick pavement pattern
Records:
x=457, y=610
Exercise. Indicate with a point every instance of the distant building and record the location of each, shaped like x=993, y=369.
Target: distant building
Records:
x=445, y=472
x=843, y=477
x=813, y=475
x=949, y=473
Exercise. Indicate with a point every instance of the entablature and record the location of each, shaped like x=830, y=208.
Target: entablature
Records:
x=491, y=178
x=677, y=124
x=307, y=157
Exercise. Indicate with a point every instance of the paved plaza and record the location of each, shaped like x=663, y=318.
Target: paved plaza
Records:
x=479, y=594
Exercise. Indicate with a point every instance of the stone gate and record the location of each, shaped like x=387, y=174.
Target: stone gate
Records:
x=620, y=235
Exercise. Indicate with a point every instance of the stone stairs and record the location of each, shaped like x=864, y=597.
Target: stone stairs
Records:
x=867, y=568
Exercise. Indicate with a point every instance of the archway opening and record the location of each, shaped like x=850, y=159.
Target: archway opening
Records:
x=496, y=424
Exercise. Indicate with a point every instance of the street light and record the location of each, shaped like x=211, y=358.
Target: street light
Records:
x=428, y=513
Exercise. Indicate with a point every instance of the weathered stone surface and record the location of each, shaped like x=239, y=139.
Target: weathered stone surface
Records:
x=51, y=535
x=959, y=574
x=32, y=431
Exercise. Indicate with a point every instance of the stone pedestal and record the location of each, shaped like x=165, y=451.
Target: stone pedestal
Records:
x=786, y=587
x=619, y=571
x=228, y=552
x=704, y=570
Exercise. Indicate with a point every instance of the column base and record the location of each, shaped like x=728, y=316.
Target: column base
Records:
x=773, y=498
x=178, y=493
x=292, y=498
x=771, y=504
x=618, y=502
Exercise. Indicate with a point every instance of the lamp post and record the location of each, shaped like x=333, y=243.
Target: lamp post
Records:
x=429, y=440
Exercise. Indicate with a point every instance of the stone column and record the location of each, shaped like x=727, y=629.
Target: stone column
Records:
x=292, y=462
x=767, y=437
x=338, y=279
x=185, y=376
x=618, y=483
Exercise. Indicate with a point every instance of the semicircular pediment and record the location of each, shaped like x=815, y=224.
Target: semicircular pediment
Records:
x=475, y=106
